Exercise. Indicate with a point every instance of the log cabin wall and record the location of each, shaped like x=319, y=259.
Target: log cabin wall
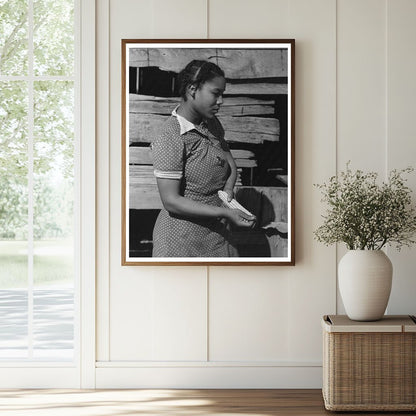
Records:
x=254, y=116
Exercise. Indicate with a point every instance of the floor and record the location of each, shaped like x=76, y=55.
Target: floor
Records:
x=166, y=402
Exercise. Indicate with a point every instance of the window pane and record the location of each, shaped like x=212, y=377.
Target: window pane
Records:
x=13, y=323
x=13, y=129
x=13, y=37
x=13, y=183
x=53, y=178
x=53, y=37
x=53, y=197
x=13, y=220
x=53, y=320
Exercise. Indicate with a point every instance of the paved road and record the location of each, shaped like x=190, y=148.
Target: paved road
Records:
x=53, y=323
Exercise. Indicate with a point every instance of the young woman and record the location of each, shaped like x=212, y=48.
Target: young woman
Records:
x=192, y=162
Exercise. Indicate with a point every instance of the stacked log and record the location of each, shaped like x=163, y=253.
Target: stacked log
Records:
x=240, y=118
x=143, y=174
x=239, y=63
x=143, y=156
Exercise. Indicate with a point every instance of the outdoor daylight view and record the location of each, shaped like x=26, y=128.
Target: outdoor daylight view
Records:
x=37, y=180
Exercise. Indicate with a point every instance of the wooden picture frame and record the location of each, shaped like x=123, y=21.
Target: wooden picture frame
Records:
x=258, y=115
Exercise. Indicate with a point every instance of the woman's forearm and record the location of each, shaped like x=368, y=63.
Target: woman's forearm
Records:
x=177, y=204
x=180, y=205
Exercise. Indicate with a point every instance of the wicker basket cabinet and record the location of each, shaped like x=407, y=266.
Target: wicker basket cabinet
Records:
x=369, y=366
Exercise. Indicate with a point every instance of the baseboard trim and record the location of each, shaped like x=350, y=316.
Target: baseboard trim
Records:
x=204, y=364
x=210, y=377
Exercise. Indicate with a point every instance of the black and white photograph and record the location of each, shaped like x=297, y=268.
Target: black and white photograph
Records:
x=208, y=152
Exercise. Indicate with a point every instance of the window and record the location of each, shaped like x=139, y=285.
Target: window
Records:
x=38, y=185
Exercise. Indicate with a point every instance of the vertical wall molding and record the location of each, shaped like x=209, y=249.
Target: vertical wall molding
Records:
x=208, y=312
x=208, y=19
x=337, y=255
x=88, y=189
x=401, y=133
x=387, y=70
x=103, y=180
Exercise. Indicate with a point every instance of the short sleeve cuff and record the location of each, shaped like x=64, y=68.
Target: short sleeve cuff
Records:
x=165, y=174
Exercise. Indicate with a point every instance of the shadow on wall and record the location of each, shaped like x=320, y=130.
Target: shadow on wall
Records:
x=269, y=238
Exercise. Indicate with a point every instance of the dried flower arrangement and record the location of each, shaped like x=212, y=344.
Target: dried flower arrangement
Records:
x=366, y=215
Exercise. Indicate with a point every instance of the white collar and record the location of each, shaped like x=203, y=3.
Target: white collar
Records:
x=184, y=124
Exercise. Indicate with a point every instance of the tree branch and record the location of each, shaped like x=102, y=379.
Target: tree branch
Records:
x=5, y=52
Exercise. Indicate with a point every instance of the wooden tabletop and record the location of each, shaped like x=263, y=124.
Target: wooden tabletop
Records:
x=389, y=323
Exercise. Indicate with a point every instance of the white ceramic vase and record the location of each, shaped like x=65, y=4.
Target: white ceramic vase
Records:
x=364, y=278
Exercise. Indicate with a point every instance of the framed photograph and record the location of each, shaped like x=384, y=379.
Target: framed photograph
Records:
x=208, y=135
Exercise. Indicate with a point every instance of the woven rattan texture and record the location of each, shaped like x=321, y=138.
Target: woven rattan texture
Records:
x=369, y=371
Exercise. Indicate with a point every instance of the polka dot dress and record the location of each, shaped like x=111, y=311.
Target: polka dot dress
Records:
x=198, y=159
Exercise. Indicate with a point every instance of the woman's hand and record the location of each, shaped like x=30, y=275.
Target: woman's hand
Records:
x=240, y=219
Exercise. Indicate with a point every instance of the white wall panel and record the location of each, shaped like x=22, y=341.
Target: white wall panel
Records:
x=315, y=136
x=145, y=322
x=248, y=314
x=131, y=19
x=401, y=142
x=180, y=315
x=179, y=19
x=361, y=84
x=148, y=19
x=354, y=101
x=311, y=282
x=361, y=89
x=248, y=19
x=131, y=317
x=159, y=316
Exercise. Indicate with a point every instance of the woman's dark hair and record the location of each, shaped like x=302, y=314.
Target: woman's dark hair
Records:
x=196, y=73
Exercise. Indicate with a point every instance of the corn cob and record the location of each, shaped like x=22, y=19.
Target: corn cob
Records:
x=233, y=204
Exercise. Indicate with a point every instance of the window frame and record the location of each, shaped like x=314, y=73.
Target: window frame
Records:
x=81, y=371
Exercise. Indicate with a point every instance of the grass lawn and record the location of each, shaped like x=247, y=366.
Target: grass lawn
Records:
x=52, y=263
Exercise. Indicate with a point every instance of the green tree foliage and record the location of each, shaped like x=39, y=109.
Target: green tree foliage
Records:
x=53, y=208
x=53, y=118
x=13, y=129
x=54, y=127
x=13, y=159
x=13, y=209
x=53, y=37
x=13, y=37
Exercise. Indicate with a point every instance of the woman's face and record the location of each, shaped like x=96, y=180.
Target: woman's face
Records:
x=208, y=97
